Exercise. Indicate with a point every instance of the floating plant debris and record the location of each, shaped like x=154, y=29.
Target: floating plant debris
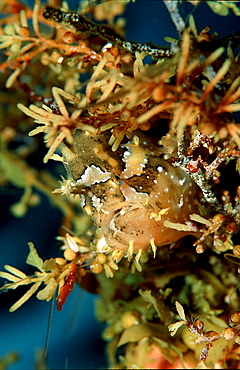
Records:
x=151, y=196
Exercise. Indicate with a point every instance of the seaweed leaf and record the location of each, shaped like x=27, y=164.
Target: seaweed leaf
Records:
x=25, y=297
x=33, y=258
x=49, y=290
x=137, y=332
x=222, y=7
x=173, y=328
x=15, y=272
x=180, y=310
x=10, y=277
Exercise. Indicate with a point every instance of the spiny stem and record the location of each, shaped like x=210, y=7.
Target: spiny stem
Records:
x=83, y=24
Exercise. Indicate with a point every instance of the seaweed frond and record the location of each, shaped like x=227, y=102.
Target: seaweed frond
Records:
x=51, y=273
